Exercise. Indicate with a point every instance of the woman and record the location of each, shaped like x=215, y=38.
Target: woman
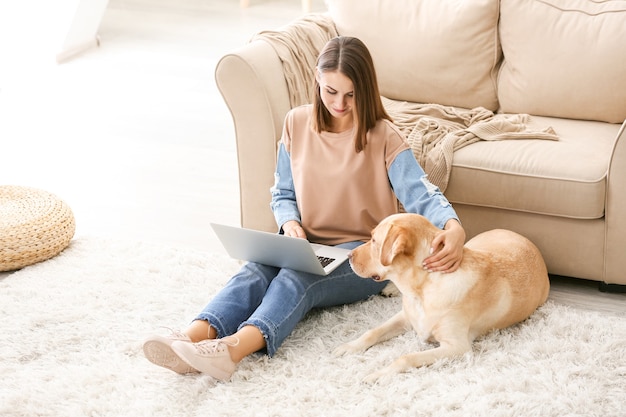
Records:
x=342, y=167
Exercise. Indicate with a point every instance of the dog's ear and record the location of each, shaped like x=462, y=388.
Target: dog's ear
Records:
x=396, y=242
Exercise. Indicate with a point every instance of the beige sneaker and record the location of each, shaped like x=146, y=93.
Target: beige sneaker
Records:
x=158, y=350
x=209, y=356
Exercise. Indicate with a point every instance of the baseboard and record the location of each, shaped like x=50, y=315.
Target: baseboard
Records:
x=614, y=288
x=68, y=54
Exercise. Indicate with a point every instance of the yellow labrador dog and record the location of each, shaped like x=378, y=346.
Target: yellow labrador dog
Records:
x=501, y=281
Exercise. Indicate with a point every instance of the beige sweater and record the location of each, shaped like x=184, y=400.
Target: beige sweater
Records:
x=341, y=194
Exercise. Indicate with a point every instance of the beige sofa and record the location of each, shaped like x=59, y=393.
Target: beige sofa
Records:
x=563, y=66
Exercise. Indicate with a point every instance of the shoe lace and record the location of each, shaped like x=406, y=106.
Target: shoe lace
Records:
x=210, y=346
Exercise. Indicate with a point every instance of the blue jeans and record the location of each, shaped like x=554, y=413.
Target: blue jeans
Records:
x=274, y=299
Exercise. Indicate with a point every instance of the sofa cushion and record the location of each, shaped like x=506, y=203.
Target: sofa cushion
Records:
x=565, y=178
x=564, y=61
x=428, y=51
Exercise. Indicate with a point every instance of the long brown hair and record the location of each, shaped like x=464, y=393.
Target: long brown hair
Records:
x=351, y=57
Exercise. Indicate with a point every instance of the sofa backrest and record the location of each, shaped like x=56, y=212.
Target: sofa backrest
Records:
x=428, y=51
x=543, y=57
x=564, y=59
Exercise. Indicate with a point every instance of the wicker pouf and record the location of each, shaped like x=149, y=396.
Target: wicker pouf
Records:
x=34, y=226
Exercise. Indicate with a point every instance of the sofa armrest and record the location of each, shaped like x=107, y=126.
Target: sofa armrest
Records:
x=615, y=261
x=260, y=83
x=253, y=85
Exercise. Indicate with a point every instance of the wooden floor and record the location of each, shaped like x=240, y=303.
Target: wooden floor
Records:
x=135, y=136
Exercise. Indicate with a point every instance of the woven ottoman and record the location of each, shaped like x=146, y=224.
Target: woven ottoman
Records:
x=34, y=226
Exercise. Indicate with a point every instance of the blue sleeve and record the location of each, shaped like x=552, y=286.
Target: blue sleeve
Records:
x=416, y=193
x=283, y=204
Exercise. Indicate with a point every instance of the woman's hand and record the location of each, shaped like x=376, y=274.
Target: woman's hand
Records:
x=294, y=229
x=446, y=249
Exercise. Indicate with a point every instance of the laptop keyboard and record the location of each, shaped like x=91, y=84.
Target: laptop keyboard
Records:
x=325, y=261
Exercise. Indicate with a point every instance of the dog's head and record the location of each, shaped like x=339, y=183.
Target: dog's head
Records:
x=399, y=243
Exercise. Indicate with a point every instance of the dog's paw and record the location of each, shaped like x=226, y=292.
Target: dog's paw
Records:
x=347, y=348
x=390, y=290
x=374, y=377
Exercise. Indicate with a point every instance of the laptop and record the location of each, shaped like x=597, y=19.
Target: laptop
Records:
x=279, y=250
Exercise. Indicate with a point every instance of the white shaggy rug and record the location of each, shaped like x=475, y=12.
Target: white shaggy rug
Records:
x=72, y=327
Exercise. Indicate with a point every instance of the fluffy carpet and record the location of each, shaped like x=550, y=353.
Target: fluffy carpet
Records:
x=72, y=329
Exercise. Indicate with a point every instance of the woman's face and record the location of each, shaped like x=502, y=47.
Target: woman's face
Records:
x=337, y=94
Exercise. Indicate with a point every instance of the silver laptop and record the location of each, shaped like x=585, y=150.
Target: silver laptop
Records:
x=279, y=250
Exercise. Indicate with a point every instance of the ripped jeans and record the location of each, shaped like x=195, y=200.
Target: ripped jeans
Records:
x=274, y=299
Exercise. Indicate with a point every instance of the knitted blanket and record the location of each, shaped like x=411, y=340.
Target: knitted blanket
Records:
x=434, y=132
x=298, y=46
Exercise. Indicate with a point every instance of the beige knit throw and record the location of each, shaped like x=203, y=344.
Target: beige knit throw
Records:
x=298, y=45
x=434, y=132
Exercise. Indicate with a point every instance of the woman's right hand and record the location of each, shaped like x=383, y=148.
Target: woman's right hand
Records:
x=294, y=229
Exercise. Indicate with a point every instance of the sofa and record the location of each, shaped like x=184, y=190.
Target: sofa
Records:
x=559, y=63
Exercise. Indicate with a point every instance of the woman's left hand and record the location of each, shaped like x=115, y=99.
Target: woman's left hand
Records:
x=446, y=249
